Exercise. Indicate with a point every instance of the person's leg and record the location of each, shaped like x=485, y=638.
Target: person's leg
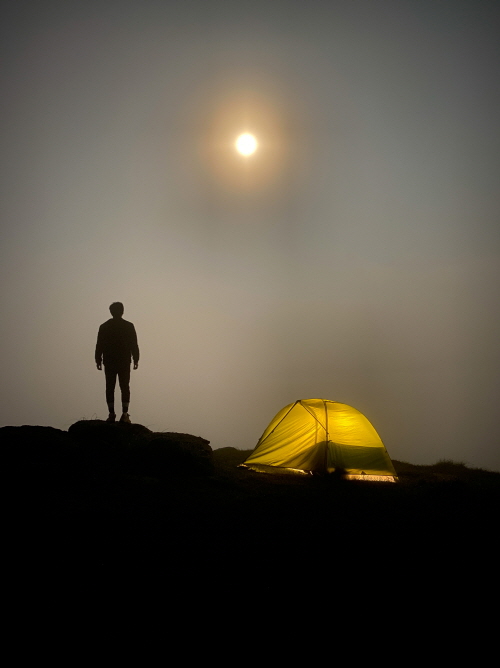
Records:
x=124, y=380
x=110, y=373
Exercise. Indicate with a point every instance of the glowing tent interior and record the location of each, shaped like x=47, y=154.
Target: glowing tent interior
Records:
x=319, y=436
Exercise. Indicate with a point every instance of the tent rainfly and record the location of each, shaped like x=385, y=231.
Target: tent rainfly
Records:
x=320, y=436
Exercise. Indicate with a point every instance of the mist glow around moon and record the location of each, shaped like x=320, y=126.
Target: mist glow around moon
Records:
x=246, y=144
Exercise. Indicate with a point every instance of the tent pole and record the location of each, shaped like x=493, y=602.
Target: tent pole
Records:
x=327, y=438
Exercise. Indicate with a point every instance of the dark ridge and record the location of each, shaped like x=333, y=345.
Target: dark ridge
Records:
x=121, y=499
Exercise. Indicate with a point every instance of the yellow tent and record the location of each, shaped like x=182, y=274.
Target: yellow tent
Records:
x=322, y=436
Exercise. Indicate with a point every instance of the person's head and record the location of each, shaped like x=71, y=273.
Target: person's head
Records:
x=116, y=309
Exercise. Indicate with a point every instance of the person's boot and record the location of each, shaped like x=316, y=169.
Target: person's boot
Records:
x=125, y=418
x=111, y=417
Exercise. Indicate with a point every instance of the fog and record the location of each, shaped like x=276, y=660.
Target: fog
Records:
x=354, y=257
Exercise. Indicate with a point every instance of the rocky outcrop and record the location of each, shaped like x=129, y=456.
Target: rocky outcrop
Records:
x=137, y=450
x=95, y=447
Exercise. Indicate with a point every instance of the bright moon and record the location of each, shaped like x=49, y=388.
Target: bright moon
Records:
x=246, y=144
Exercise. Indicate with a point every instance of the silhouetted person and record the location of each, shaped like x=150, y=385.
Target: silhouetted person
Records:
x=116, y=345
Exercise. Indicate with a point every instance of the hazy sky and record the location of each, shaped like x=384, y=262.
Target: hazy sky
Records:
x=355, y=257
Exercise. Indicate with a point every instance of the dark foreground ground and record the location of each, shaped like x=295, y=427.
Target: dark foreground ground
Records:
x=79, y=514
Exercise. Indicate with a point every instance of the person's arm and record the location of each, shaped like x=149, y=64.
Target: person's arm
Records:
x=98, y=350
x=134, y=347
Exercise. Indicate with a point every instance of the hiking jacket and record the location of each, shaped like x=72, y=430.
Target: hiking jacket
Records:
x=116, y=342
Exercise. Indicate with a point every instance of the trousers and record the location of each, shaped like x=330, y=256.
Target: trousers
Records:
x=111, y=371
